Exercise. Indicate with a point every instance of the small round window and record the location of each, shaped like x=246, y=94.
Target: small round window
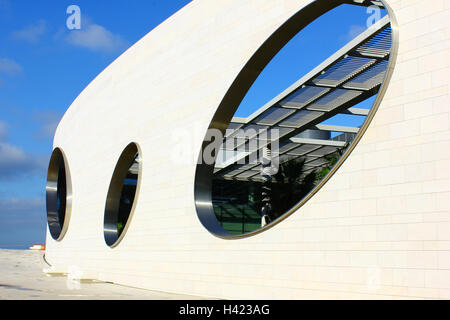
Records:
x=58, y=191
x=122, y=195
x=293, y=115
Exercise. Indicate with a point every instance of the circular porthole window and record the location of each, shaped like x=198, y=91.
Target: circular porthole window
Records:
x=59, y=195
x=293, y=115
x=122, y=194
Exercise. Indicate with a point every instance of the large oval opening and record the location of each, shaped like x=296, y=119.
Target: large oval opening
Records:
x=280, y=134
x=122, y=195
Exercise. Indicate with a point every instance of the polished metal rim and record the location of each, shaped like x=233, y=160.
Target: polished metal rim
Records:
x=237, y=92
x=58, y=187
x=111, y=234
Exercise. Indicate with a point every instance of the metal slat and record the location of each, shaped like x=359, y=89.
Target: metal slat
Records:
x=344, y=80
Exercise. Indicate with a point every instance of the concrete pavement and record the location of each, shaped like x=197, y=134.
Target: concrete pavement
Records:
x=22, y=278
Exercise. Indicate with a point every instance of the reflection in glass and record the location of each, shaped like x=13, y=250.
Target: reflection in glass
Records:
x=257, y=181
x=61, y=192
x=127, y=195
x=121, y=195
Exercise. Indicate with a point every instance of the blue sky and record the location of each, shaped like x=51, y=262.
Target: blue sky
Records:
x=44, y=66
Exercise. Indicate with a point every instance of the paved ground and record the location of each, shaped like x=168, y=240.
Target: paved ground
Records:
x=22, y=278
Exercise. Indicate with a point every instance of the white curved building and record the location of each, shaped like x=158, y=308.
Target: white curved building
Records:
x=377, y=226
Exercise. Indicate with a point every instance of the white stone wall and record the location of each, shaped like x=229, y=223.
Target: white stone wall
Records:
x=380, y=228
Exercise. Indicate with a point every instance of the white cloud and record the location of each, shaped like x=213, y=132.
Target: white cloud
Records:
x=48, y=130
x=3, y=130
x=10, y=67
x=96, y=38
x=31, y=33
x=49, y=121
x=10, y=154
x=21, y=204
x=354, y=31
x=15, y=162
x=23, y=222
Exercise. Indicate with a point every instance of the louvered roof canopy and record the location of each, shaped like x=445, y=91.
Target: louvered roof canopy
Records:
x=295, y=117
